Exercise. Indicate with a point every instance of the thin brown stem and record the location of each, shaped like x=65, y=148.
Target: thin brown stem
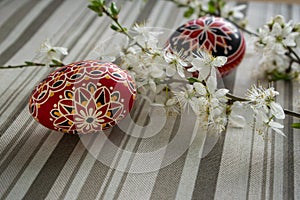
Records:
x=122, y=29
x=295, y=54
x=243, y=29
x=236, y=98
x=30, y=64
x=291, y=113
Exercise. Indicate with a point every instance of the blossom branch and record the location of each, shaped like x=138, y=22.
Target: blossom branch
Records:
x=295, y=54
x=241, y=99
x=32, y=64
x=112, y=12
x=242, y=28
x=52, y=57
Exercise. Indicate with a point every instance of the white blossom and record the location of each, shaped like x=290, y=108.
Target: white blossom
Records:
x=262, y=101
x=233, y=12
x=175, y=64
x=52, y=52
x=145, y=37
x=205, y=64
x=117, y=47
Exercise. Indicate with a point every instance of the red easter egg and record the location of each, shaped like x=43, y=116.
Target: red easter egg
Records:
x=83, y=97
x=216, y=35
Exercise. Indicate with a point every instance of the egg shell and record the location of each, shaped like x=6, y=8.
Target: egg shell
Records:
x=83, y=97
x=216, y=35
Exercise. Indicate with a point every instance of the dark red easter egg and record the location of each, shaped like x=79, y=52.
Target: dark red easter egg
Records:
x=83, y=97
x=214, y=34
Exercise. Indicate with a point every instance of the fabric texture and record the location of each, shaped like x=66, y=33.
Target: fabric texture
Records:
x=37, y=163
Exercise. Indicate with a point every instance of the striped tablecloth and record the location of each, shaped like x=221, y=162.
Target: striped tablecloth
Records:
x=36, y=163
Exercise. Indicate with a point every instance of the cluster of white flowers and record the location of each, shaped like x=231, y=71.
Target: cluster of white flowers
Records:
x=167, y=74
x=206, y=101
x=262, y=101
x=276, y=39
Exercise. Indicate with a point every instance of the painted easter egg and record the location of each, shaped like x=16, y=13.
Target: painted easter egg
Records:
x=214, y=34
x=83, y=97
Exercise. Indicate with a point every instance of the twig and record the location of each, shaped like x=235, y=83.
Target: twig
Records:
x=236, y=98
x=243, y=29
x=295, y=54
x=291, y=113
x=30, y=64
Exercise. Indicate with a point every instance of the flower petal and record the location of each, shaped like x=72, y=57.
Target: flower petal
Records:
x=219, y=61
x=237, y=121
x=273, y=124
x=212, y=83
x=277, y=110
x=279, y=131
x=200, y=88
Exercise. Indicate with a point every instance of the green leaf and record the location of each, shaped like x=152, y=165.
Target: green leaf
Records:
x=276, y=76
x=221, y=3
x=188, y=13
x=296, y=125
x=115, y=28
x=211, y=7
x=114, y=10
x=56, y=62
x=193, y=80
x=96, y=9
x=97, y=6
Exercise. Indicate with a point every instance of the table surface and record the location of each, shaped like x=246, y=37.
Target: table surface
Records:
x=36, y=163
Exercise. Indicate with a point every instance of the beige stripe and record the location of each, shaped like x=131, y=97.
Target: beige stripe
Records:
x=192, y=162
x=18, y=163
x=279, y=154
x=79, y=150
x=21, y=55
x=277, y=1
x=66, y=172
x=130, y=189
x=296, y=145
x=9, y=134
x=76, y=186
x=8, y=7
x=120, y=162
x=23, y=24
x=146, y=180
x=157, y=20
x=296, y=106
x=85, y=168
x=12, y=145
x=279, y=151
x=233, y=175
x=40, y=158
x=28, y=176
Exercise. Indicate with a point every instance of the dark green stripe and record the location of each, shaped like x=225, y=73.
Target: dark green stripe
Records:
x=29, y=31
